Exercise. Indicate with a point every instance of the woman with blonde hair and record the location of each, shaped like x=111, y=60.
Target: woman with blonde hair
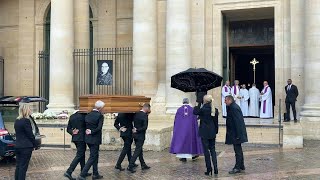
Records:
x=25, y=141
x=208, y=129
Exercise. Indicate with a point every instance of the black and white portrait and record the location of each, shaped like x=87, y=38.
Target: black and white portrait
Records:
x=104, y=75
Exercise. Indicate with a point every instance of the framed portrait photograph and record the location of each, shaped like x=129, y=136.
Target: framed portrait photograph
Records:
x=104, y=72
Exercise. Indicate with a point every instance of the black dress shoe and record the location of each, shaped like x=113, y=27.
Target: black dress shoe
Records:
x=145, y=167
x=208, y=173
x=97, y=176
x=234, y=171
x=215, y=167
x=81, y=178
x=69, y=176
x=130, y=169
x=215, y=171
x=88, y=174
x=119, y=168
x=194, y=157
x=183, y=159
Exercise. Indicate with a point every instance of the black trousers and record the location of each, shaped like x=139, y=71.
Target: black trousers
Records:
x=209, y=149
x=126, y=150
x=239, y=156
x=80, y=156
x=23, y=156
x=92, y=161
x=293, y=106
x=138, y=152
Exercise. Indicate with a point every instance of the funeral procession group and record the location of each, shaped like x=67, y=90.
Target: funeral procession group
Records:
x=191, y=138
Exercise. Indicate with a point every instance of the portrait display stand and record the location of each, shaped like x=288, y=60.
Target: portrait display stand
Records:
x=113, y=103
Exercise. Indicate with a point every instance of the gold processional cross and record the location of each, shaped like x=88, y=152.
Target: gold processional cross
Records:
x=254, y=62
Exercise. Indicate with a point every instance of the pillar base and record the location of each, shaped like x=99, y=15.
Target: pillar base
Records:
x=292, y=135
x=310, y=127
x=58, y=108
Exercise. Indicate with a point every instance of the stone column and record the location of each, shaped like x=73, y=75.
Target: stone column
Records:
x=61, y=57
x=144, y=65
x=297, y=49
x=81, y=24
x=310, y=119
x=178, y=46
x=26, y=50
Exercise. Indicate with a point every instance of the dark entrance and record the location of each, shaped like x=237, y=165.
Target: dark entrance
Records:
x=242, y=70
x=247, y=40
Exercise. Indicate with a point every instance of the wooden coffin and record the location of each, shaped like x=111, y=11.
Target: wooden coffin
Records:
x=113, y=104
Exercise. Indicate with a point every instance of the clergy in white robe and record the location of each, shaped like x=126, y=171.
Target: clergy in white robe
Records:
x=235, y=92
x=266, y=101
x=254, y=96
x=225, y=91
x=244, y=94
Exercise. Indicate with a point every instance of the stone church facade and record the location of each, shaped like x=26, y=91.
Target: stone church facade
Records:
x=168, y=36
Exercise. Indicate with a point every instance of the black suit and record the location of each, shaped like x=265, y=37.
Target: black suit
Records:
x=140, y=122
x=94, y=122
x=77, y=121
x=207, y=131
x=236, y=132
x=291, y=98
x=125, y=120
x=25, y=143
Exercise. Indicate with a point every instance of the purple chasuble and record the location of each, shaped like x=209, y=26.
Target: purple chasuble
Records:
x=185, y=139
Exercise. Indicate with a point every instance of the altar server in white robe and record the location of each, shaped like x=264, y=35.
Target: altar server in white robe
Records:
x=235, y=92
x=244, y=94
x=266, y=101
x=225, y=91
x=254, y=96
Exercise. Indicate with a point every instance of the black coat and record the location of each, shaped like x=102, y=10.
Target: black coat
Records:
x=124, y=120
x=24, y=135
x=94, y=122
x=77, y=120
x=208, y=125
x=199, y=95
x=292, y=94
x=140, y=122
x=236, y=129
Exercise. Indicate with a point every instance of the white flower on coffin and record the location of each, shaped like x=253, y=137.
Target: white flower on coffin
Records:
x=49, y=114
x=37, y=115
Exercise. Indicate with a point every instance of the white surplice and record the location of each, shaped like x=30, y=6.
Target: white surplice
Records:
x=225, y=91
x=244, y=94
x=254, y=96
x=235, y=92
x=266, y=103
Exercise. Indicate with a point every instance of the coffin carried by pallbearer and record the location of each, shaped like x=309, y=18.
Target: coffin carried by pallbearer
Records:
x=113, y=103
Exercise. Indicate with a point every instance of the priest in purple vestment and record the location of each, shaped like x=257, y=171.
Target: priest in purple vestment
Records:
x=186, y=142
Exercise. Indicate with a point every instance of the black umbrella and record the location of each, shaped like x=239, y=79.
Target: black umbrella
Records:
x=193, y=80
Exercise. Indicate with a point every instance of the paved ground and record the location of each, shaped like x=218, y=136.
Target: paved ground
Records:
x=262, y=162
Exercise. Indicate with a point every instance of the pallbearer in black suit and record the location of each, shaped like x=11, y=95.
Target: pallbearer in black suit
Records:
x=123, y=123
x=140, y=126
x=208, y=129
x=93, y=137
x=291, y=98
x=76, y=128
x=25, y=141
x=236, y=132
